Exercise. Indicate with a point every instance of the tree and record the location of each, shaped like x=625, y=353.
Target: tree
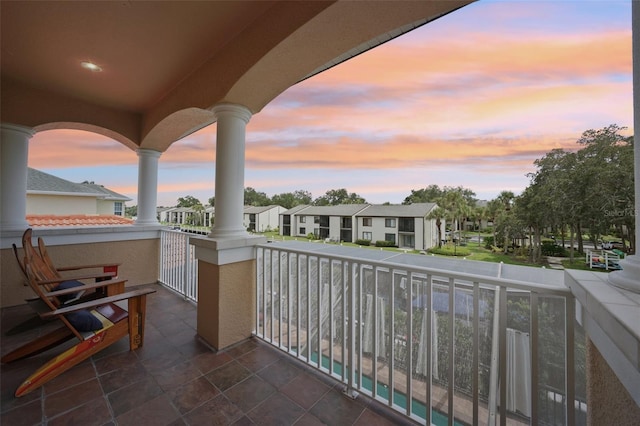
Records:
x=292, y=199
x=456, y=205
x=438, y=214
x=255, y=198
x=131, y=211
x=478, y=214
x=212, y=201
x=590, y=189
x=430, y=194
x=334, y=197
x=505, y=220
x=188, y=201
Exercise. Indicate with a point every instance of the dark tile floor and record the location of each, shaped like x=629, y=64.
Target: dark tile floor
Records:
x=175, y=379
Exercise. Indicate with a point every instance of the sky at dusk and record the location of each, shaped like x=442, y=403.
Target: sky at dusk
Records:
x=471, y=99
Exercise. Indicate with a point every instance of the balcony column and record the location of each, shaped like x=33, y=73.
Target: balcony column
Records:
x=226, y=258
x=147, y=187
x=14, y=154
x=229, y=190
x=629, y=277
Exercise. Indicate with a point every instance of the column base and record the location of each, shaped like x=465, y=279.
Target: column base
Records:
x=226, y=289
x=226, y=302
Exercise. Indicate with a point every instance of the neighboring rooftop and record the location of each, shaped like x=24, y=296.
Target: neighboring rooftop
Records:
x=39, y=220
x=39, y=182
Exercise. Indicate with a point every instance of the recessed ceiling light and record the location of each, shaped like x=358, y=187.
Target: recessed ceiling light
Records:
x=90, y=66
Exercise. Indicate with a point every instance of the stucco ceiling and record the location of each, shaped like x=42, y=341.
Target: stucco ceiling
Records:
x=165, y=63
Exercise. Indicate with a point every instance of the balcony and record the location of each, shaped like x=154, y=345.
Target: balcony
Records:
x=322, y=346
x=177, y=379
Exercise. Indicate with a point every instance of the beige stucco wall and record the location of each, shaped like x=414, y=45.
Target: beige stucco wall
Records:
x=608, y=401
x=60, y=205
x=106, y=207
x=138, y=259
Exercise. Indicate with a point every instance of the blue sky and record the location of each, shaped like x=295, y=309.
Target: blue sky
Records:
x=470, y=100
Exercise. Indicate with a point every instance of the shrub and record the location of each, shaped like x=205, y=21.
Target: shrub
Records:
x=311, y=236
x=451, y=250
x=363, y=242
x=488, y=242
x=549, y=248
x=384, y=243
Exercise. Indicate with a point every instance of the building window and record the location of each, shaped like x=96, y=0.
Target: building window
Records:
x=345, y=223
x=390, y=237
x=407, y=241
x=389, y=223
x=303, y=219
x=367, y=236
x=366, y=221
x=406, y=224
x=303, y=231
x=117, y=208
x=316, y=219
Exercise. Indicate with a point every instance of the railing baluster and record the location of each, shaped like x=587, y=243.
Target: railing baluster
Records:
x=452, y=322
x=374, y=362
x=409, y=366
x=534, y=358
x=570, y=315
x=429, y=313
x=503, y=355
x=476, y=351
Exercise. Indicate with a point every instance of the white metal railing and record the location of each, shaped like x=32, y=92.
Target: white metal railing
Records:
x=487, y=354
x=178, y=264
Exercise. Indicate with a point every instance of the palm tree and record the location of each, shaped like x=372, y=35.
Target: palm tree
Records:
x=438, y=214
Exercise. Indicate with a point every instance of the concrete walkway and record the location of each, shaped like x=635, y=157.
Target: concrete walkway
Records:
x=555, y=262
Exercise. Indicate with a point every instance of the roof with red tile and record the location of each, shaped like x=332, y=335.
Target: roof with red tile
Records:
x=41, y=220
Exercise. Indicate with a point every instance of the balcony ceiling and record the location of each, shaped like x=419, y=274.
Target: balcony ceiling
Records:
x=164, y=64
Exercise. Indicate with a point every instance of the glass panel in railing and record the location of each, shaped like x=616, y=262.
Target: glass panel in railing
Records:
x=423, y=346
x=303, y=308
x=580, y=375
x=552, y=395
x=336, y=318
x=486, y=305
x=293, y=283
x=400, y=340
x=440, y=374
x=383, y=324
x=313, y=281
x=518, y=342
x=464, y=369
x=367, y=298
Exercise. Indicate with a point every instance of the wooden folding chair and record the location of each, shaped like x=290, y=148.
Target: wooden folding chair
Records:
x=49, y=275
x=96, y=324
x=51, y=278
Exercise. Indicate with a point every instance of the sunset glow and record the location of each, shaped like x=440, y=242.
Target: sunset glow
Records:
x=471, y=99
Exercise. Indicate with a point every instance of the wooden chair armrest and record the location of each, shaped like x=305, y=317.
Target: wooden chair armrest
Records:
x=77, y=277
x=98, y=302
x=84, y=287
x=75, y=268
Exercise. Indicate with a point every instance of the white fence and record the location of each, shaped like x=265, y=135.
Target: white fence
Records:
x=486, y=354
x=178, y=264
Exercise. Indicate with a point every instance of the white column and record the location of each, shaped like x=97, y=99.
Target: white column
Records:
x=147, y=186
x=14, y=154
x=629, y=276
x=229, y=189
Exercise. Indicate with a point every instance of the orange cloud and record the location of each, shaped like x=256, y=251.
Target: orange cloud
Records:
x=75, y=148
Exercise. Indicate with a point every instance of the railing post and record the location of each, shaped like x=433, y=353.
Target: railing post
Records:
x=570, y=359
